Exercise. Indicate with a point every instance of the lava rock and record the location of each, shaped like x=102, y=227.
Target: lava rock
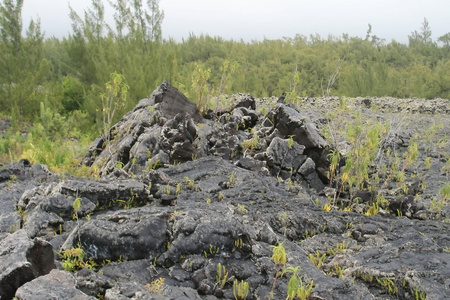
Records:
x=22, y=260
x=56, y=285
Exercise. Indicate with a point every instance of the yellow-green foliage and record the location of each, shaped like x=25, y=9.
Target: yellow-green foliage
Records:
x=373, y=210
x=290, y=141
x=241, y=208
x=189, y=182
x=365, y=138
x=445, y=191
x=240, y=290
x=252, y=143
x=279, y=256
x=156, y=286
x=113, y=100
x=74, y=260
x=389, y=285
x=296, y=288
x=222, y=275
x=317, y=259
x=199, y=88
x=76, y=207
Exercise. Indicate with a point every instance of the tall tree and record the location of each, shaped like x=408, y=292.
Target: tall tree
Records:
x=445, y=39
x=121, y=16
x=10, y=46
x=21, y=65
x=421, y=37
x=146, y=24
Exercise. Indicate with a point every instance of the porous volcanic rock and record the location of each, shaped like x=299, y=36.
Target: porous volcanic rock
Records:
x=22, y=260
x=56, y=285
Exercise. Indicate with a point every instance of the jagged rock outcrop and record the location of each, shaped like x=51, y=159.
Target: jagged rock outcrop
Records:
x=22, y=260
x=180, y=193
x=160, y=130
x=167, y=129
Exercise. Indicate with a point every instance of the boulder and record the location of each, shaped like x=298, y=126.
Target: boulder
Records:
x=56, y=285
x=285, y=154
x=138, y=233
x=22, y=260
x=171, y=102
x=291, y=123
x=92, y=283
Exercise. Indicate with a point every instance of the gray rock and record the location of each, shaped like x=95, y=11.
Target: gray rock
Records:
x=288, y=157
x=22, y=260
x=250, y=163
x=92, y=283
x=56, y=285
x=290, y=122
x=172, y=102
x=161, y=127
x=138, y=233
x=40, y=223
x=103, y=192
x=139, y=271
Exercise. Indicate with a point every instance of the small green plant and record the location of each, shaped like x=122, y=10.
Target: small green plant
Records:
x=113, y=100
x=334, y=156
x=445, y=191
x=427, y=163
x=220, y=196
x=74, y=260
x=279, y=257
x=340, y=247
x=119, y=165
x=222, y=275
x=178, y=189
x=437, y=204
x=231, y=179
x=156, y=286
x=76, y=207
x=389, y=285
x=189, y=182
x=252, y=143
x=166, y=190
x=326, y=207
x=309, y=234
x=239, y=243
x=240, y=290
x=366, y=277
x=317, y=259
x=22, y=213
x=418, y=295
x=373, y=210
x=212, y=250
x=296, y=288
x=338, y=271
x=241, y=208
x=290, y=141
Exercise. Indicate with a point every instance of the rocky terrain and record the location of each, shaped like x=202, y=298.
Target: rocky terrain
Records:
x=184, y=204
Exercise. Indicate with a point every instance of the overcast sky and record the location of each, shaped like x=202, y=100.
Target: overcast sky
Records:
x=272, y=19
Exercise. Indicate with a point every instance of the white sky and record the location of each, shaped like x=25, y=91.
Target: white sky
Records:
x=258, y=19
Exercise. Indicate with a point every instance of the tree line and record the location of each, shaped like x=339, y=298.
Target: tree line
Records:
x=68, y=75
